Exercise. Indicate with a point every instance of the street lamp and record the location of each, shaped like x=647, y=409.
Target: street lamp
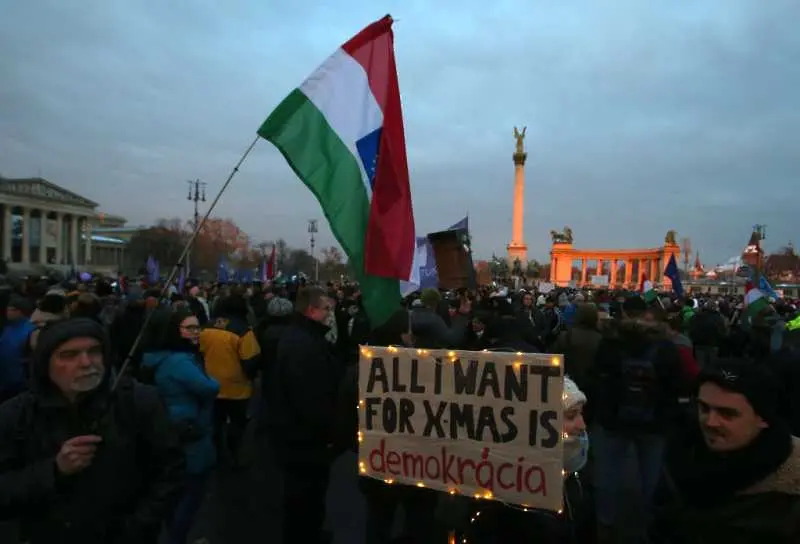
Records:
x=197, y=193
x=312, y=230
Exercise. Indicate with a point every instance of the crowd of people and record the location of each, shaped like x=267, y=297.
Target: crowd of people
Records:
x=120, y=403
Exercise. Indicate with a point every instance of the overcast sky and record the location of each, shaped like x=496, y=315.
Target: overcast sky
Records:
x=642, y=116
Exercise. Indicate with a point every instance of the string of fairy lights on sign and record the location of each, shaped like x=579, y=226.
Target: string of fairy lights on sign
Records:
x=445, y=357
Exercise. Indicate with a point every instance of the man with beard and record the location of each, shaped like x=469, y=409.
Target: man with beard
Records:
x=80, y=462
x=738, y=479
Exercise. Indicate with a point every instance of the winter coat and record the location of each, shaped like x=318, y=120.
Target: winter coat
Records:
x=302, y=394
x=127, y=492
x=188, y=394
x=766, y=512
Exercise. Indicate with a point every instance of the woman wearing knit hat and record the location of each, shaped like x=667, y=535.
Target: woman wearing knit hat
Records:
x=576, y=439
x=575, y=525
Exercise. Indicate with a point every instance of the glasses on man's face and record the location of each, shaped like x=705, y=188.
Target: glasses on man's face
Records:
x=191, y=328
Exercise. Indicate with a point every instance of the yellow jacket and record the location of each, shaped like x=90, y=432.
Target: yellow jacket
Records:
x=228, y=344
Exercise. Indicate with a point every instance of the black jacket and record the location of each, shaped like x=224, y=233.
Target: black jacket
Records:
x=632, y=338
x=123, y=497
x=303, y=388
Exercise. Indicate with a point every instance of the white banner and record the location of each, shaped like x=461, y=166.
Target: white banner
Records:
x=482, y=424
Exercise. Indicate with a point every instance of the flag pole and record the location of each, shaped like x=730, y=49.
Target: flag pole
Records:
x=179, y=264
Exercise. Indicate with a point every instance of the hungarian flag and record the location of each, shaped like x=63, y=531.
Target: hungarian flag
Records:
x=754, y=300
x=342, y=133
x=648, y=291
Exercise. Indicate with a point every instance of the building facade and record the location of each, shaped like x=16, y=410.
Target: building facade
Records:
x=46, y=227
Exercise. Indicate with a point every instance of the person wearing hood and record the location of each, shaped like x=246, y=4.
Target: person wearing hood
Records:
x=81, y=461
x=188, y=394
x=13, y=342
x=738, y=479
x=497, y=524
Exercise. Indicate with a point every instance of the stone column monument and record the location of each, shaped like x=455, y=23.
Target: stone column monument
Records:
x=517, y=250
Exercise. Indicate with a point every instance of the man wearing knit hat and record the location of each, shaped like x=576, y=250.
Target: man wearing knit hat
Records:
x=80, y=462
x=738, y=479
x=429, y=328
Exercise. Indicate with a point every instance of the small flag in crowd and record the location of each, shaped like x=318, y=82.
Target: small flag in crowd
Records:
x=182, y=280
x=222, y=271
x=671, y=271
x=153, y=274
x=342, y=133
x=754, y=300
x=648, y=291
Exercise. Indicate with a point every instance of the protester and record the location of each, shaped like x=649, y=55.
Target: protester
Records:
x=301, y=415
x=739, y=478
x=638, y=380
x=78, y=461
x=13, y=342
x=231, y=353
x=189, y=394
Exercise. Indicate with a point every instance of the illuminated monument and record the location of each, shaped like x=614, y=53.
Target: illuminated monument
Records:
x=622, y=268
x=517, y=250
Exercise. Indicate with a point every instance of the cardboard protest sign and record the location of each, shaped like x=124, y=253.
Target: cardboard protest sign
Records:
x=483, y=424
x=453, y=258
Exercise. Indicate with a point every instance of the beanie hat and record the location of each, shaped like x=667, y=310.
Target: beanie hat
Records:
x=572, y=395
x=757, y=384
x=430, y=297
x=53, y=302
x=56, y=333
x=279, y=307
x=21, y=303
x=633, y=305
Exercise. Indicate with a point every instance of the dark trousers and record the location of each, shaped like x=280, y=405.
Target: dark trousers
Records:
x=185, y=511
x=230, y=422
x=304, y=492
x=383, y=502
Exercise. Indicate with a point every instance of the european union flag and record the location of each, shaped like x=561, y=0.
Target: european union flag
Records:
x=671, y=271
x=367, y=148
x=222, y=271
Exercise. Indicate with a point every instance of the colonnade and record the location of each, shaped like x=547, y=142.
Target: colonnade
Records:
x=608, y=264
x=44, y=236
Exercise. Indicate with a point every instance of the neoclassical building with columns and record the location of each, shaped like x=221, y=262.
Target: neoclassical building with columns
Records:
x=45, y=226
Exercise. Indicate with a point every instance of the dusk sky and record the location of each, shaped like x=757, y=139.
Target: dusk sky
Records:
x=642, y=116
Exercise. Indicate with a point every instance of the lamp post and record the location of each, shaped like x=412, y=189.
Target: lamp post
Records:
x=312, y=230
x=197, y=193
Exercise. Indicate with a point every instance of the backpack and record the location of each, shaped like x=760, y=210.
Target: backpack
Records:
x=637, y=390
